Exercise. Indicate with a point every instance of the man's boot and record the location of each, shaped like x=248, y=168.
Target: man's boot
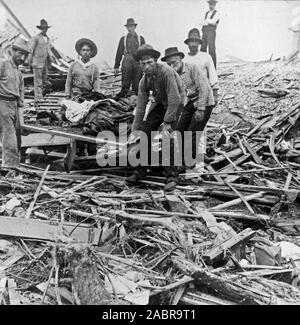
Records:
x=171, y=183
x=137, y=176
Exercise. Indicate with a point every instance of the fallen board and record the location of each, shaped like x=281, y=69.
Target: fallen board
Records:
x=48, y=230
x=43, y=139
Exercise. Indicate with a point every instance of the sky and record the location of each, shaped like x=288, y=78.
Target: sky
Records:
x=250, y=30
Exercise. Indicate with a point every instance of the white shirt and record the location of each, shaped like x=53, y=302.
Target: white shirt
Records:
x=209, y=20
x=204, y=61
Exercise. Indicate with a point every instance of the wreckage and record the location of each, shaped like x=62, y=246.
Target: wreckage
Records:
x=73, y=233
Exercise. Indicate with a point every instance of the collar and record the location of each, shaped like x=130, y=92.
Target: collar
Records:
x=183, y=69
x=85, y=65
x=13, y=63
x=190, y=54
x=130, y=35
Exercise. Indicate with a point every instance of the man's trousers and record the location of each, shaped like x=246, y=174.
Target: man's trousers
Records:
x=131, y=75
x=40, y=80
x=10, y=133
x=190, y=139
x=152, y=123
x=209, y=40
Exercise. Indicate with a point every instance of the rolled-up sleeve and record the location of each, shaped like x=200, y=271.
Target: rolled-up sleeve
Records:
x=212, y=73
x=173, y=96
x=143, y=97
x=96, y=78
x=68, y=86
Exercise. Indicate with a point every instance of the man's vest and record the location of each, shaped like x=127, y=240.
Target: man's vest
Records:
x=125, y=43
x=212, y=16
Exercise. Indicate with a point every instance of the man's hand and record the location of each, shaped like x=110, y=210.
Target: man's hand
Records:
x=116, y=71
x=134, y=136
x=166, y=129
x=198, y=116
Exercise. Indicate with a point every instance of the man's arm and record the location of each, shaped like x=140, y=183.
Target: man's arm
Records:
x=142, y=40
x=96, y=78
x=120, y=53
x=201, y=86
x=174, y=98
x=69, y=81
x=20, y=103
x=213, y=21
x=212, y=73
x=32, y=46
x=143, y=97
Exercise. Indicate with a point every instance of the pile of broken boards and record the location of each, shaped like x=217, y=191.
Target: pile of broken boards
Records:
x=89, y=239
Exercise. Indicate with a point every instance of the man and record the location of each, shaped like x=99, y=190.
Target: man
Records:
x=40, y=53
x=202, y=59
x=131, y=71
x=199, y=101
x=166, y=88
x=11, y=105
x=209, y=28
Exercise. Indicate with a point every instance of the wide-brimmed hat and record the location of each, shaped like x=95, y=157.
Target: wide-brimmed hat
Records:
x=172, y=51
x=144, y=50
x=194, y=34
x=212, y=1
x=130, y=22
x=21, y=45
x=90, y=43
x=43, y=24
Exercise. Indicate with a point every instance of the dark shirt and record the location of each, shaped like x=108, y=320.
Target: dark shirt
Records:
x=132, y=44
x=167, y=89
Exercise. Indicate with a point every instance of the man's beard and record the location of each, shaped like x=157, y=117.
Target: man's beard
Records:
x=193, y=49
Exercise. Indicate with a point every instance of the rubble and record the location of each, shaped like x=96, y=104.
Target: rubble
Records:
x=229, y=236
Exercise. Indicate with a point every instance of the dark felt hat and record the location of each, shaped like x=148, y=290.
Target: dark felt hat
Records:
x=90, y=43
x=213, y=2
x=172, y=51
x=194, y=34
x=130, y=22
x=144, y=50
x=43, y=24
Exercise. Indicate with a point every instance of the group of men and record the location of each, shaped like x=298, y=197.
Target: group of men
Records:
x=178, y=87
x=183, y=92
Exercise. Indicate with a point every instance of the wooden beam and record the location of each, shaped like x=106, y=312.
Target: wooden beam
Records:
x=47, y=230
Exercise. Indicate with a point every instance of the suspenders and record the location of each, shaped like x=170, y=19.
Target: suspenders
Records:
x=125, y=43
x=212, y=16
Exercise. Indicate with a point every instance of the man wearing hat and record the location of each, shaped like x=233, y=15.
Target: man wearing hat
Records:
x=167, y=91
x=11, y=105
x=40, y=53
x=202, y=59
x=131, y=71
x=199, y=99
x=210, y=23
x=83, y=75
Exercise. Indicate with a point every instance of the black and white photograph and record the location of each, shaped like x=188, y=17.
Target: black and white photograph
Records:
x=149, y=155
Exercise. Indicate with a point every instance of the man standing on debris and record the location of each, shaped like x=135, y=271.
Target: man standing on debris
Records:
x=202, y=59
x=199, y=101
x=83, y=75
x=210, y=23
x=131, y=70
x=11, y=105
x=167, y=91
x=40, y=53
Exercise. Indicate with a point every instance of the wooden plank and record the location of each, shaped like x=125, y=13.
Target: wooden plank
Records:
x=36, y=194
x=70, y=135
x=14, y=297
x=70, y=156
x=253, y=153
x=15, y=257
x=216, y=253
x=43, y=139
x=48, y=230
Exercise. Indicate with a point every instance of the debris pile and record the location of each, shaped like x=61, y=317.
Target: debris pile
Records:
x=229, y=236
